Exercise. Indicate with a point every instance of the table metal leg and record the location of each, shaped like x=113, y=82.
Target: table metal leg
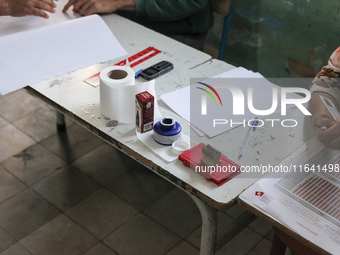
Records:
x=209, y=242
x=209, y=226
x=61, y=127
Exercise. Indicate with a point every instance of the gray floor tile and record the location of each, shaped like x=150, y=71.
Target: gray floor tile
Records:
x=100, y=249
x=240, y=244
x=177, y=212
x=141, y=236
x=5, y=240
x=72, y=144
x=195, y=237
x=13, y=141
x=40, y=124
x=18, y=104
x=262, y=248
x=59, y=236
x=33, y=164
x=235, y=211
x=270, y=235
x=140, y=187
x=260, y=226
x=290, y=252
x=66, y=187
x=9, y=185
x=3, y=122
x=16, y=249
x=104, y=163
x=183, y=248
x=101, y=213
x=25, y=212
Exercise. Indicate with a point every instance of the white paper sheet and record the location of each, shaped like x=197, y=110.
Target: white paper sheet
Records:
x=39, y=54
x=165, y=152
x=179, y=101
x=10, y=25
x=307, y=199
x=198, y=132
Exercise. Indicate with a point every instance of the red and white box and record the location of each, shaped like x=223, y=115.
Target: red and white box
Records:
x=145, y=103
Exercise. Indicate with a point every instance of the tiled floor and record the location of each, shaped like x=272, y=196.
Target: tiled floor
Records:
x=71, y=193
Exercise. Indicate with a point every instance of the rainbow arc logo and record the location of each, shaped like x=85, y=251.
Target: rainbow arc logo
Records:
x=209, y=93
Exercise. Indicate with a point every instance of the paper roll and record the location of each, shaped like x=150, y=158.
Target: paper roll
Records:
x=117, y=93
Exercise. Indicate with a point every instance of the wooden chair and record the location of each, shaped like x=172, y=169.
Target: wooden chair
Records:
x=282, y=240
x=223, y=7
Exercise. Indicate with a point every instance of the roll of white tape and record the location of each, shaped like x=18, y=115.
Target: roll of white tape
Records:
x=118, y=90
x=180, y=146
x=114, y=103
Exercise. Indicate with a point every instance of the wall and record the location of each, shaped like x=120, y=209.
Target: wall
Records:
x=280, y=38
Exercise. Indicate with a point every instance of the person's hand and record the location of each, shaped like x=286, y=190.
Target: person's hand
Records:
x=327, y=130
x=20, y=8
x=88, y=7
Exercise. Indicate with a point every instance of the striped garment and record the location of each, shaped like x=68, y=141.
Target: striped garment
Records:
x=327, y=80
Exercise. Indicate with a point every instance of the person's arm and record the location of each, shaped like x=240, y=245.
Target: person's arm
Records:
x=326, y=84
x=169, y=9
x=4, y=9
x=329, y=136
x=20, y=8
x=320, y=113
x=153, y=9
x=88, y=7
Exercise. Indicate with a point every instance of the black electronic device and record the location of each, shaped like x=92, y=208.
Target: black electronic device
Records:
x=156, y=70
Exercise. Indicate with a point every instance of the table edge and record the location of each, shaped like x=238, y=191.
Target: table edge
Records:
x=128, y=151
x=282, y=227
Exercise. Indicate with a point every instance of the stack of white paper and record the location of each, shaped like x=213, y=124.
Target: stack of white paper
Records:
x=11, y=25
x=179, y=101
x=38, y=54
x=305, y=201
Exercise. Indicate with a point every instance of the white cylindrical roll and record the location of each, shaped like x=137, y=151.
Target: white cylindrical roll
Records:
x=118, y=91
x=114, y=101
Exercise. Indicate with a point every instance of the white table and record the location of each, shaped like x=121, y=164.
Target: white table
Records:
x=71, y=96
